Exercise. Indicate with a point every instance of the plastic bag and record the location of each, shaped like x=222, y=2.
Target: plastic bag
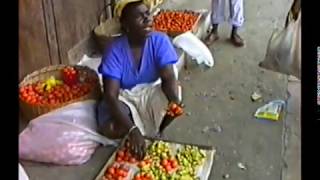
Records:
x=22, y=173
x=284, y=49
x=92, y=63
x=66, y=136
x=194, y=48
x=271, y=111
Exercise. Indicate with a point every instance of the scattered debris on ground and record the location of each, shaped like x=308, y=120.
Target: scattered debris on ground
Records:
x=256, y=96
x=271, y=110
x=242, y=166
x=226, y=176
x=216, y=128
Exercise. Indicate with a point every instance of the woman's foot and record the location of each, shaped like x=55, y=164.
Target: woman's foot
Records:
x=212, y=36
x=235, y=38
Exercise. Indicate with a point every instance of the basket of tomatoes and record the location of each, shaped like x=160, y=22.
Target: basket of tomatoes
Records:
x=56, y=86
x=176, y=22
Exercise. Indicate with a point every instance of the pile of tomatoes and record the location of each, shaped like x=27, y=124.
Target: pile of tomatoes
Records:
x=145, y=163
x=157, y=164
x=174, y=110
x=174, y=21
x=36, y=94
x=70, y=76
x=142, y=176
x=170, y=165
x=116, y=172
x=124, y=155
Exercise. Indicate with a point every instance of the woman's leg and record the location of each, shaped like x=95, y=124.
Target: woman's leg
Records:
x=237, y=19
x=107, y=125
x=217, y=17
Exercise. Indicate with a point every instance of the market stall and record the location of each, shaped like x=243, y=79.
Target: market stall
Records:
x=55, y=94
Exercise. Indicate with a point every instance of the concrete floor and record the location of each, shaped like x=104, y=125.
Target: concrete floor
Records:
x=220, y=97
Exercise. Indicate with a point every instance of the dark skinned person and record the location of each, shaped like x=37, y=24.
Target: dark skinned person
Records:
x=138, y=56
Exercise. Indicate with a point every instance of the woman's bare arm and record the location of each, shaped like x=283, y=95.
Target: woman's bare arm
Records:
x=169, y=84
x=111, y=93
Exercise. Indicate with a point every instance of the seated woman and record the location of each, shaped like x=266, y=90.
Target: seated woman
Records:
x=138, y=56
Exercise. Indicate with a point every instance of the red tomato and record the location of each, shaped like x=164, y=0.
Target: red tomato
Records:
x=138, y=177
x=173, y=106
x=164, y=162
x=126, y=158
x=67, y=88
x=109, y=176
x=33, y=101
x=132, y=160
x=119, y=159
x=111, y=170
x=174, y=164
x=31, y=93
x=52, y=101
x=28, y=98
x=120, y=153
x=24, y=94
x=114, y=165
x=50, y=96
x=142, y=164
x=168, y=167
x=123, y=173
x=118, y=172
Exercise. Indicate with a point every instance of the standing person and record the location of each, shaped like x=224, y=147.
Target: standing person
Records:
x=218, y=17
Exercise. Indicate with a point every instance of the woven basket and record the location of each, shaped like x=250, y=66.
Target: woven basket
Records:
x=106, y=32
x=30, y=112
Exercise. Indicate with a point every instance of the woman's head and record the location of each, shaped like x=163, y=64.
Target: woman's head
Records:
x=136, y=19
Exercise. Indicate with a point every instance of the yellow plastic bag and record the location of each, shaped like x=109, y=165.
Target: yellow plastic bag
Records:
x=271, y=111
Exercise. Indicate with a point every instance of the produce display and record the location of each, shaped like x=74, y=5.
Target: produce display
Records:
x=54, y=91
x=163, y=161
x=175, y=21
x=117, y=172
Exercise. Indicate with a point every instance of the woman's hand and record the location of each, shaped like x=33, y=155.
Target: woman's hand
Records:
x=137, y=144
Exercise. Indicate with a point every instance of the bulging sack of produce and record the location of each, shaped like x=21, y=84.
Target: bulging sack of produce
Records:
x=284, y=49
x=66, y=136
x=194, y=48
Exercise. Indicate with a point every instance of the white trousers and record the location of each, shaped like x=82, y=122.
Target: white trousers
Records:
x=236, y=12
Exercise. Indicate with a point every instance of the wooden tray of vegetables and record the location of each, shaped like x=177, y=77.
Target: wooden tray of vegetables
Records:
x=164, y=160
x=176, y=22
